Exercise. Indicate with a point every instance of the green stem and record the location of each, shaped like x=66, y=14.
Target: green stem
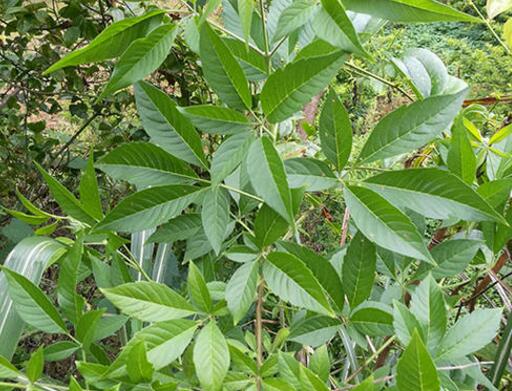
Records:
x=489, y=26
x=258, y=331
x=372, y=75
x=265, y=34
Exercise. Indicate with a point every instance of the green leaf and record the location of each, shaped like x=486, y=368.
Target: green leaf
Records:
x=215, y=216
x=469, y=334
x=268, y=177
x=241, y=289
x=290, y=279
x=452, y=257
x=229, y=156
x=320, y=363
x=139, y=368
x=335, y=131
x=166, y=126
x=211, y=357
x=422, y=11
x=373, y=319
x=87, y=326
x=502, y=355
x=384, y=224
x=30, y=206
x=253, y=62
x=314, y=331
x=30, y=257
x=111, y=42
x=461, y=158
x=26, y=218
x=179, y=228
x=89, y=192
x=433, y=193
x=222, y=71
x=294, y=16
x=216, y=119
x=269, y=226
x=411, y=127
x=164, y=342
x=496, y=7
x=245, y=12
x=426, y=72
x=404, y=322
x=145, y=165
x=416, y=370
x=359, y=267
x=149, y=208
x=66, y=200
x=197, y=289
x=7, y=370
x=308, y=173
x=367, y=385
x=333, y=25
x=321, y=268
x=149, y=301
x=287, y=90
x=69, y=301
x=32, y=305
x=35, y=365
x=429, y=308
x=141, y=58
x=60, y=350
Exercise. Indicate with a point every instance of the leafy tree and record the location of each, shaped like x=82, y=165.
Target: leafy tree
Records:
x=214, y=289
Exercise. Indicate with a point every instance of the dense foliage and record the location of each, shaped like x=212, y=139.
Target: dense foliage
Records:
x=205, y=274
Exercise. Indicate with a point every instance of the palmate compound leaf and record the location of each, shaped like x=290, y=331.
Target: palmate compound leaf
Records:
x=433, y=193
x=166, y=126
x=409, y=10
x=144, y=165
x=211, y=357
x=411, y=127
x=416, y=370
x=222, y=71
x=268, y=177
x=149, y=208
x=149, y=301
x=290, y=279
x=287, y=90
x=141, y=58
x=384, y=224
x=111, y=42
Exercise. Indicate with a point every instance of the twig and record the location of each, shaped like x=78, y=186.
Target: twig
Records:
x=488, y=24
x=344, y=227
x=372, y=75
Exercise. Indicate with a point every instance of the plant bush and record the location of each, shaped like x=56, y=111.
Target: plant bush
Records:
x=202, y=277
